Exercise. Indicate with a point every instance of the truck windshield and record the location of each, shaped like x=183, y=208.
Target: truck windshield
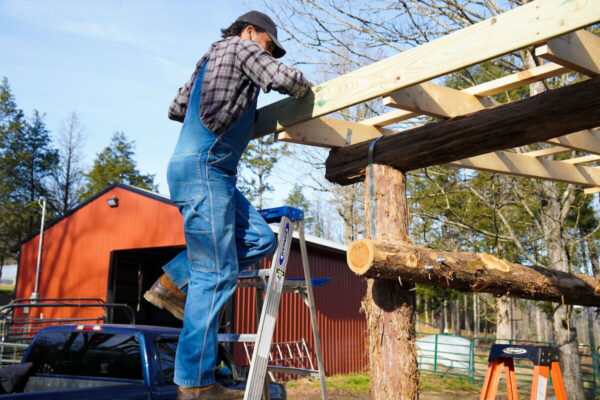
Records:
x=89, y=354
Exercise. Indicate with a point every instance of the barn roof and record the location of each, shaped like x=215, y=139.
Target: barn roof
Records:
x=313, y=240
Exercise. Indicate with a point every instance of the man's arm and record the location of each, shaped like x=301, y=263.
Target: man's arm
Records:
x=268, y=73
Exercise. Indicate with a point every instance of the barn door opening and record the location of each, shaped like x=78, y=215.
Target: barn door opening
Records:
x=132, y=272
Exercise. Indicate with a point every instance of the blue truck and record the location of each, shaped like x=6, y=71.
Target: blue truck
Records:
x=105, y=361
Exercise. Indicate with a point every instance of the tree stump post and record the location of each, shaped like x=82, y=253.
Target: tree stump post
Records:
x=389, y=305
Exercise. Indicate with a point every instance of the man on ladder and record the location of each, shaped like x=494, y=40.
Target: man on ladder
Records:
x=223, y=232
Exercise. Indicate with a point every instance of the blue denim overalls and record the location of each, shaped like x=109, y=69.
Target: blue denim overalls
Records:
x=223, y=232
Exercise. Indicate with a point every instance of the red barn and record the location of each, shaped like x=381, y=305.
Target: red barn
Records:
x=116, y=253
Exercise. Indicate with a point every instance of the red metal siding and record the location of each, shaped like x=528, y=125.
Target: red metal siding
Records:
x=76, y=256
x=341, y=324
x=76, y=262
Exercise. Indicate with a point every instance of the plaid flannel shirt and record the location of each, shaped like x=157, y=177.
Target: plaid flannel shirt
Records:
x=236, y=69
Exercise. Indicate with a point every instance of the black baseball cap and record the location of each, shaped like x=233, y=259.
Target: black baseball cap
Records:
x=263, y=21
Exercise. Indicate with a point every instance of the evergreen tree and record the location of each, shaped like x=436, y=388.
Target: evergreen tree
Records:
x=116, y=164
x=26, y=160
x=297, y=199
x=257, y=165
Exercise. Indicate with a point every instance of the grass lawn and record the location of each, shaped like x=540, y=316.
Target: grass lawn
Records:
x=356, y=387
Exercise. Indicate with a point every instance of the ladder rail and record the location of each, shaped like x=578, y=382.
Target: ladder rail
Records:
x=260, y=356
x=313, y=312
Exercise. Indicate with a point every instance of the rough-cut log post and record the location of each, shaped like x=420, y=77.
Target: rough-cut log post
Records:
x=388, y=305
x=470, y=272
x=556, y=112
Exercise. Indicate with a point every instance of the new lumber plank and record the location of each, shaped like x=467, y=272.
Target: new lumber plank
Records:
x=504, y=162
x=547, y=152
x=579, y=51
x=490, y=88
x=582, y=160
x=330, y=132
x=469, y=272
x=538, y=22
x=439, y=101
x=296, y=133
x=587, y=140
x=555, y=113
x=518, y=79
x=389, y=118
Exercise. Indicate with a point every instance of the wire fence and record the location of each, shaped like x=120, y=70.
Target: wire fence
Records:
x=467, y=357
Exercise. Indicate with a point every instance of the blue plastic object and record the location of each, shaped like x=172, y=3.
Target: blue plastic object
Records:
x=314, y=281
x=275, y=214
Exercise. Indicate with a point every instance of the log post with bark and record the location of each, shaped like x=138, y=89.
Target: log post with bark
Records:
x=470, y=272
x=389, y=305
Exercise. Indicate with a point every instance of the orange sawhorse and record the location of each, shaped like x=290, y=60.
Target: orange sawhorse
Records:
x=545, y=363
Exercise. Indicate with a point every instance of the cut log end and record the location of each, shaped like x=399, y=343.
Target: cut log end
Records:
x=360, y=256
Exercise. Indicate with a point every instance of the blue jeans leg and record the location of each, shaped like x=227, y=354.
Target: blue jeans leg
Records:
x=253, y=237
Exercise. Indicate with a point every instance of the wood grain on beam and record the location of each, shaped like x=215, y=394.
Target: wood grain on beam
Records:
x=555, y=113
x=439, y=101
x=582, y=160
x=538, y=21
x=587, y=140
x=591, y=190
x=330, y=132
x=504, y=162
x=389, y=118
x=579, y=51
x=550, y=151
x=490, y=88
x=519, y=79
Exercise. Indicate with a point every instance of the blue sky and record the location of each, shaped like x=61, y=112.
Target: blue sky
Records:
x=118, y=64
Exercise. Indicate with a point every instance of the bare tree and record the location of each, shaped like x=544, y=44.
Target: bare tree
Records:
x=67, y=178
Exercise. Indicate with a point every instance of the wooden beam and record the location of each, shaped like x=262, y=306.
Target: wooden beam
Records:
x=555, y=113
x=389, y=118
x=504, y=162
x=582, y=160
x=538, y=21
x=591, y=190
x=469, y=272
x=550, y=151
x=579, y=51
x=587, y=140
x=331, y=132
x=439, y=101
x=490, y=88
x=518, y=79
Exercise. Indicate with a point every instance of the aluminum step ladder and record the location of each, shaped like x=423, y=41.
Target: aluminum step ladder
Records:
x=257, y=383
x=545, y=363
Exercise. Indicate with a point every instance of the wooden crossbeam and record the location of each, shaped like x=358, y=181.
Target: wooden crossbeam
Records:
x=556, y=112
x=508, y=163
x=538, y=21
x=331, y=132
x=587, y=140
x=547, y=152
x=439, y=101
x=579, y=51
x=389, y=118
x=582, y=160
x=490, y=88
x=518, y=79
x=306, y=129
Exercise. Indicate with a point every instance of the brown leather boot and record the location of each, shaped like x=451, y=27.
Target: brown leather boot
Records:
x=164, y=294
x=212, y=392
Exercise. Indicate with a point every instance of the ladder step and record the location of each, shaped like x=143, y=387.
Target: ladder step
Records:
x=294, y=371
x=236, y=337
